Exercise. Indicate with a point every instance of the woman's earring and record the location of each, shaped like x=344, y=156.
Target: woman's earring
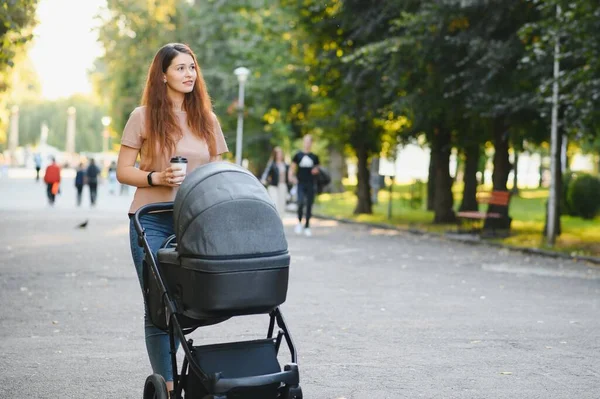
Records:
x=164, y=80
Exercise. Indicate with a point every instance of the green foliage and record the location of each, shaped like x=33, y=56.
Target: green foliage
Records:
x=88, y=125
x=224, y=35
x=261, y=36
x=17, y=19
x=131, y=34
x=583, y=194
x=575, y=27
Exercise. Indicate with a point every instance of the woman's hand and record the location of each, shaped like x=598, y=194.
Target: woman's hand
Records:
x=171, y=177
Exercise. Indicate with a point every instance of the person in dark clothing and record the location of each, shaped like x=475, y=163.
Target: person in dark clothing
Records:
x=91, y=176
x=303, y=171
x=79, y=182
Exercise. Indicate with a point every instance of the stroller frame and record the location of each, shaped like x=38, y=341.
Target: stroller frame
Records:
x=214, y=383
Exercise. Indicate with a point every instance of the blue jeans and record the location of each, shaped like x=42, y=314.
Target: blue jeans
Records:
x=158, y=227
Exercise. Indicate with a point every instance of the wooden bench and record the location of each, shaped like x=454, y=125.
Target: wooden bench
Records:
x=497, y=198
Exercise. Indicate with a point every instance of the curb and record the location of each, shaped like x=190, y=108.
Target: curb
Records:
x=534, y=251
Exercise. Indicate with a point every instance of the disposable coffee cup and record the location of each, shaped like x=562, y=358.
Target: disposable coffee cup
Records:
x=179, y=163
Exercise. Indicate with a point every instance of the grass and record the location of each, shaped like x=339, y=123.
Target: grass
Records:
x=579, y=237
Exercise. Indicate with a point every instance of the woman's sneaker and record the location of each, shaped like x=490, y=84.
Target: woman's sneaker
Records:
x=298, y=229
x=307, y=232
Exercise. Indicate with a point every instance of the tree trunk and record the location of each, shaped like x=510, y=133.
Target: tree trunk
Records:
x=469, y=201
x=515, y=189
x=443, y=201
x=363, y=189
x=431, y=181
x=501, y=159
x=500, y=175
x=336, y=170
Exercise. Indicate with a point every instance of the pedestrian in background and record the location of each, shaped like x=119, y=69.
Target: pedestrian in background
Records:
x=275, y=177
x=52, y=180
x=79, y=182
x=37, y=159
x=302, y=172
x=175, y=118
x=91, y=177
x=112, y=178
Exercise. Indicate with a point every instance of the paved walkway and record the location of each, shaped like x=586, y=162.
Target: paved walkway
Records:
x=375, y=313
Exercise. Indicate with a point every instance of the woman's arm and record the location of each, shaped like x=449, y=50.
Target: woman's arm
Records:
x=266, y=172
x=292, y=173
x=128, y=174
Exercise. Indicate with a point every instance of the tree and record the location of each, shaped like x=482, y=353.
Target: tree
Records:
x=339, y=78
x=131, y=34
x=224, y=35
x=17, y=20
x=575, y=27
x=495, y=89
x=261, y=36
x=88, y=126
x=418, y=58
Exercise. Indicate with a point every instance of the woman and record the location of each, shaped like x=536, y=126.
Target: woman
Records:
x=175, y=118
x=275, y=178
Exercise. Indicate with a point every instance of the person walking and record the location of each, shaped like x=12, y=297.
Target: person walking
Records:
x=112, y=178
x=175, y=118
x=275, y=177
x=79, y=182
x=52, y=180
x=91, y=178
x=302, y=172
x=37, y=160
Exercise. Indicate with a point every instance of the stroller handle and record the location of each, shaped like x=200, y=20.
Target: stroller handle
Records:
x=145, y=209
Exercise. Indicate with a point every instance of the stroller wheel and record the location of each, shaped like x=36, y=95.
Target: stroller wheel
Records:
x=292, y=392
x=155, y=387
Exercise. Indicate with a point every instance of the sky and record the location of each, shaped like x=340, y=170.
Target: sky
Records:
x=65, y=46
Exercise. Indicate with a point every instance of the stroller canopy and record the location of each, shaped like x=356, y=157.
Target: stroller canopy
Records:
x=222, y=210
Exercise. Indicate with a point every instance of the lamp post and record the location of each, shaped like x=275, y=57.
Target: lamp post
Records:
x=553, y=198
x=105, y=134
x=242, y=75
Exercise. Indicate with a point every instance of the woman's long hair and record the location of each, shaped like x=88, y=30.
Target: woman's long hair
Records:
x=273, y=157
x=163, y=131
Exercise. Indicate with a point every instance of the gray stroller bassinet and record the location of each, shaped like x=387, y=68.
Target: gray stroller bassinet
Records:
x=229, y=257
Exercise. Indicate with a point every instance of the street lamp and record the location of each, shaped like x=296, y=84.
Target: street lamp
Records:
x=242, y=75
x=105, y=134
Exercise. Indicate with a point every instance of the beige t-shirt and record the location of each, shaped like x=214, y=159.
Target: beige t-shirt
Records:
x=191, y=147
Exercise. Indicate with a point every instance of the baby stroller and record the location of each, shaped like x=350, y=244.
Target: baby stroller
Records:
x=228, y=258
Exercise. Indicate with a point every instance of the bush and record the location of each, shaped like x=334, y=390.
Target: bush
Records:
x=582, y=196
x=565, y=209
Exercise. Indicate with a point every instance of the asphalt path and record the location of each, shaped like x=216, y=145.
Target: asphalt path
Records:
x=375, y=313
